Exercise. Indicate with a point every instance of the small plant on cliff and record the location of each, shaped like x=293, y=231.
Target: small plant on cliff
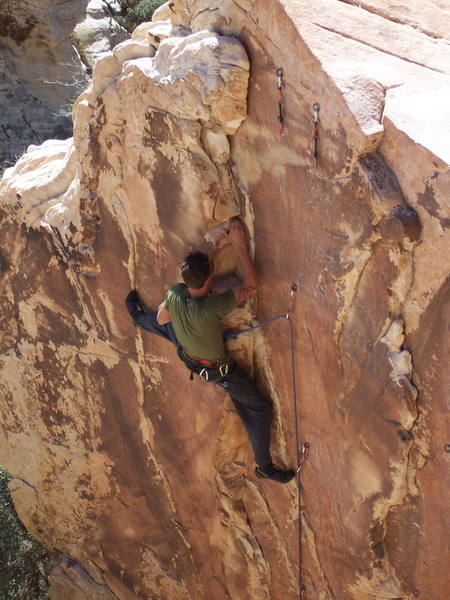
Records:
x=136, y=13
x=24, y=563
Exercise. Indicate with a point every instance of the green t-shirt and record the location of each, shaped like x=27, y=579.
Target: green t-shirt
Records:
x=196, y=321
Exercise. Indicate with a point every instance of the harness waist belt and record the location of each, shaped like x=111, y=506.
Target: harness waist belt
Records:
x=201, y=361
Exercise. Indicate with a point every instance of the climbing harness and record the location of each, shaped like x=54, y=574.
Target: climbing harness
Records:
x=280, y=88
x=316, y=122
x=221, y=367
x=302, y=454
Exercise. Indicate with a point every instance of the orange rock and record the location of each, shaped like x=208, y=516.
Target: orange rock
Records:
x=146, y=479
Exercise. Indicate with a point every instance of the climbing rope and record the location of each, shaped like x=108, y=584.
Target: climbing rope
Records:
x=302, y=453
x=316, y=122
x=280, y=87
x=233, y=334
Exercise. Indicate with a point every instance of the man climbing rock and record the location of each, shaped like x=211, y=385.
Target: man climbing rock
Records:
x=190, y=317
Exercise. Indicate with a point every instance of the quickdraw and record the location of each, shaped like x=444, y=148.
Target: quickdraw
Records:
x=304, y=455
x=280, y=87
x=316, y=122
x=294, y=289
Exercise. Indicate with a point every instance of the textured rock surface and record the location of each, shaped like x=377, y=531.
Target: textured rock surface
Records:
x=145, y=479
x=69, y=581
x=99, y=31
x=23, y=118
x=41, y=72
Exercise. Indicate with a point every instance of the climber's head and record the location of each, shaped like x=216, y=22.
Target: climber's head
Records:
x=196, y=270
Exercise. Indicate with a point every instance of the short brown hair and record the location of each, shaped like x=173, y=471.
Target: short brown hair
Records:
x=195, y=269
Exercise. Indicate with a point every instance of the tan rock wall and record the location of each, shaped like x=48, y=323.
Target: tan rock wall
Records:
x=144, y=478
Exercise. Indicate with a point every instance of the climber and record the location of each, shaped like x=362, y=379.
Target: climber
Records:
x=190, y=317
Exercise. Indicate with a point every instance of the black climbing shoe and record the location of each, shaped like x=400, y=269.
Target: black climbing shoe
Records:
x=275, y=473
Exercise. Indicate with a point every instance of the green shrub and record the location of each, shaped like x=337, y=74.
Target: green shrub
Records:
x=139, y=13
x=24, y=563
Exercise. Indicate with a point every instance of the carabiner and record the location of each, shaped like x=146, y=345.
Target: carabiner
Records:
x=204, y=374
x=223, y=369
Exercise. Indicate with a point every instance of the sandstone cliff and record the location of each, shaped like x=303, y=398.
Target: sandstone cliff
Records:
x=144, y=479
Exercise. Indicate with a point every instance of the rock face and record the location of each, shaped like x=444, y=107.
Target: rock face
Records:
x=98, y=32
x=41, y=71
x=24, y=119
x=144, y=479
